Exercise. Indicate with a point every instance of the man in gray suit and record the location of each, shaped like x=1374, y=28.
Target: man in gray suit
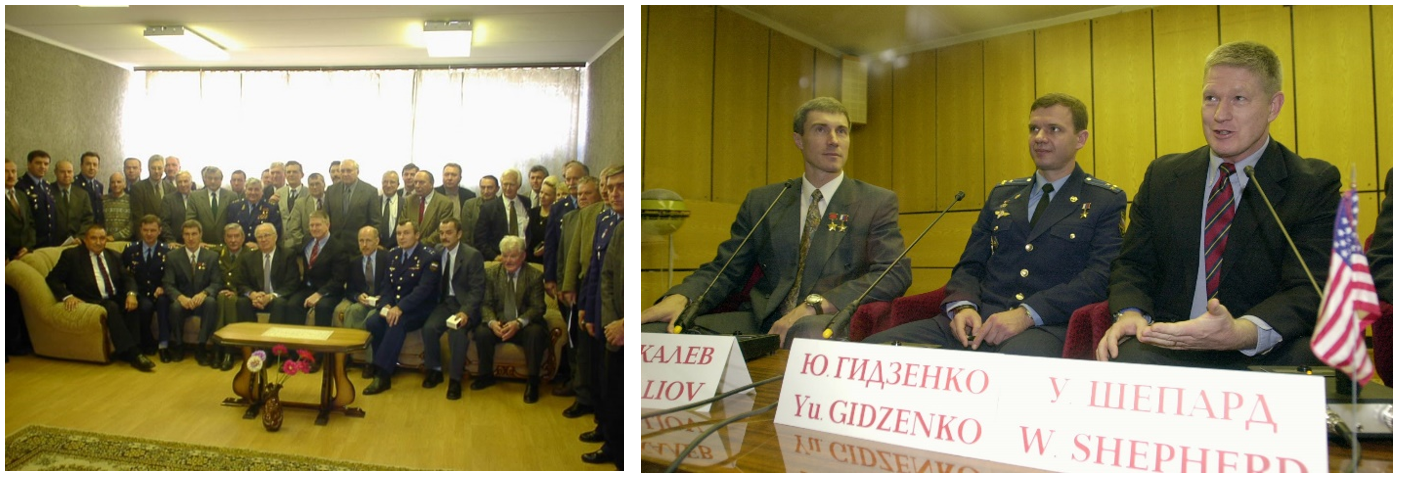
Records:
x=463, y=282
x=472, y=209
x=293, y=192
x=824, y=243
x=351, y=205
x=210, y=204
x=452, y=189
x=298, y=220
x=146, y=195
x=73, y=204
x=175, y=206
x=192, y=279
x=514, y=311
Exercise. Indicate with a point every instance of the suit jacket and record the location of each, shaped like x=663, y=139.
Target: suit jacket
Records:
x=95, y=191
x=173, y=214
x=554, y=247
x=73, y=276
x=297, y=222
x=1157, y=269
x=493, y=225
x=144, y=200
x=411, y=285
x=286, y=280
x=148, y=274
x=580, y=254
x=1379, y=256
x=387, y=222
x=463, y=195
x=612, y=283
x=185, y=279
x=471, y=214
x=75, y=215
x=535, y=236
x=19, y=225
x=841, y=264
x=284, y=197
x=43, y=205
x=1056, y=267
x=363, y=211
x=328, y=275
x=211, y=220
x=468, y=278
x=530, y=295
x=439, y=209
x=569, y=232
x=358, y=283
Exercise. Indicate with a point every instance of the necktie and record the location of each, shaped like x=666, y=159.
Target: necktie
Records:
x=65, y=196
x=291, y=198
x=511, y=313
x=447, y=267
x=145, y=254
x=15, y=204
x=267, y=272
x=160, y=190
x=214, y=202
x=422, y=203
x=318, y=204
x=385, y=214
x=315, y=250
x=1221, y=209
x=1041, y=205
x=814, y=214
x=184, y=202
x=513, y=227
x=369, y=276
x=346, y=208
x=108, y=289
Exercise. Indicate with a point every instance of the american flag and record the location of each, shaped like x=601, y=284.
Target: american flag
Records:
x=1350, y=302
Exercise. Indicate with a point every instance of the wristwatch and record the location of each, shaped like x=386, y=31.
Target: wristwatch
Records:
x=815, y=301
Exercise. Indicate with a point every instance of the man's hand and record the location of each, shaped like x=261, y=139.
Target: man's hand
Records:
x=226, y=293
x=274, y=199
x=589, y=328
x=311, y=300
x=966, y=323
x=1214, y=330
x=495, y=326
x=131, y=303
x=570, y=297
x=666, y=311
x=71, y=302
x=540, y=250
x=614, y=333
x=1002, y=326
x=159, y=292
x=184, y=302
x=1129, y=324
x=509, y=329
x=394, y=313
x=22, y=252
x=364, y=299
x=781, y=327
x=552, y=288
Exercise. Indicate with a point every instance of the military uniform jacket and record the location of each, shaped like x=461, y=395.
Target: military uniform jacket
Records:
x=250, y=215
x=148, y=273
x=555, y=242
x=95, y=191
x=228, y=266
x=41, y=206
x=1060, y=265
x=411, y=285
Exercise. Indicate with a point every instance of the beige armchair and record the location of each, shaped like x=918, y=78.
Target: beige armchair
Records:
x=79, y=334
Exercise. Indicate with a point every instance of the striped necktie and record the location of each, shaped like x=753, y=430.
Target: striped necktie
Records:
x=1221, y=209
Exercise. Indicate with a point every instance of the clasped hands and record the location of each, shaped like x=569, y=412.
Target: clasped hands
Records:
x=191, y=303
x=973, y=331
x=1216, y=329
x=504, y=331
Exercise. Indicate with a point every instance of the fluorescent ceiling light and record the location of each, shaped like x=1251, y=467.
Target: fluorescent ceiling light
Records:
x=186, y=42
x=448, y=38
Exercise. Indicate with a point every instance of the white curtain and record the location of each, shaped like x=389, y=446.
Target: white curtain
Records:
x=486, y=120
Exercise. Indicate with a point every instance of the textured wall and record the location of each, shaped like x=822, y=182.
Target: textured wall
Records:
x=63, y=103
x=604, y=144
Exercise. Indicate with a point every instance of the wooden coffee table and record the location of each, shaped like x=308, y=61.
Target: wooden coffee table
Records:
x=337, y=392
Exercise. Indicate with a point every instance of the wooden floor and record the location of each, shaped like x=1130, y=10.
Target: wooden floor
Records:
x=408, y=426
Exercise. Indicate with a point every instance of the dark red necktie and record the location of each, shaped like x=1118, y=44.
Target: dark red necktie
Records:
x=1221, y=209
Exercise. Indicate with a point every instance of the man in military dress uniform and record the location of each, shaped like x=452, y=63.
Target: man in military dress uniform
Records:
x=407, y=296
x=254, y=210
x=145, y=261
x=1041, y=249
x=229, y=252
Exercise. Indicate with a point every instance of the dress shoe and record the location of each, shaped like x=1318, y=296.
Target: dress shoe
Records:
x=177, y=353
x=454, y=389
x=483, y=382
x=563, y=390
x=227, y=363
x=379, y=385
x=532, y=392
x=369, y=371
x=200, y=357
x=165, y=355
x=598, y=456
x=433, y=378
x=142, y=363
x=577, y=410
x=591, y=436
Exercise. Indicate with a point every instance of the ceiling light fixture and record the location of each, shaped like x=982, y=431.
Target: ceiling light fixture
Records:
x=186, y=42
x=448, y=38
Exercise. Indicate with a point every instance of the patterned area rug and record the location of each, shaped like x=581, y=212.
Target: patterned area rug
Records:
x=47, y=448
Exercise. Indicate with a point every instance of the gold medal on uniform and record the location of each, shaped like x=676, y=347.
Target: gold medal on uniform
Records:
x=1085, y=210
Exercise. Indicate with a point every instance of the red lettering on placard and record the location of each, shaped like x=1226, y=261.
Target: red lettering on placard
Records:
x=671, y=390
x=677, y=354
x=1262, y=407
x=1134, y=454
x=1057, y=389
x=1166, y=458
x=1164, y=453
x=1083, y=451
x=1035, y=437
x=811, y=367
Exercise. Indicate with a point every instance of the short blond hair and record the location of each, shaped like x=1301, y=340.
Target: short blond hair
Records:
x=1255, y=57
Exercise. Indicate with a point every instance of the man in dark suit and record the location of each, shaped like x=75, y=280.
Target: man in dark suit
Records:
x=19, y=220
x=41, y=200
x=192, y=279
x=73, y=206
x=1040, y=249
x=610, y=414
x=472, y=212
x=323, y=259
x=145, y=261
x=87, y=181
x=581, y=352
x=463, y=282
x=391, y=201
x=407, y=297
x=367, y=272
x=567, y=201
x=514, y=311
x=1379, y=256
x=268, y=278
x=352, y=205
x=508, y=216
x=426, y=207
x=606, y=385
x=851, y=237
x=175, y=206
x=93, y=274
x=451, y=188
x=209, y=206
x=146, y=195
x=1206, y=277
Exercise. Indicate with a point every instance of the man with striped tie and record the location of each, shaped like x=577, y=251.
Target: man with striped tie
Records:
x=1206, y=278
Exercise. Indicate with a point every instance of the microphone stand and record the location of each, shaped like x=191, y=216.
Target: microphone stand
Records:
x=841, y=322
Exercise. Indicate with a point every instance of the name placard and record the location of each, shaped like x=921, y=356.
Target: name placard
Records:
x=1056, y=414
x=665, y=437
x=680, y=369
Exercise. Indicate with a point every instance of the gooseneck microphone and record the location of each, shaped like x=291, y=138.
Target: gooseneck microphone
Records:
x=1250, y=172
x=686, y=321
x=841, y=322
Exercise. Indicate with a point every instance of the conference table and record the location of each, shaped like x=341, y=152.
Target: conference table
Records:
x=756, y=444
x=337, y=391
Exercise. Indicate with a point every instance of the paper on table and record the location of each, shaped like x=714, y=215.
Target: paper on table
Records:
x=297, y=333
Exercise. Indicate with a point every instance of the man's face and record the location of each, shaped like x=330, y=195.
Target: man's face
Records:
x=350, y=173
x=213, y=180
x=64, y=174
x=253, y=192
x=335, y=174
x=588, y=194
x=405, y=235
x=824, y=141
x=510, y=186
x=234, y=238
x=449, y=234
x=422, y=185
x=488, y=189
x=389, y=183
x=11, y=174
x=318, y=187
x=294, y=175
x=156, y=170
x=512, y=260
x=266, y=238
x=132, y=169
x=536, y=179
x=184, y=184
x=368, y=241
x=318, y=227
x=236, y=182
x=95, y=240
x=615, y=192
x=89, y=166
x=191, y=236
x=39, y=166
x=150, y=232
x=1236, y=111
x=172, y=167
x=572, y=176
x=267, y=178
x=279, y=175
x=409, y=174
x=116, y=185
x=451, y=177
x=1052, y=139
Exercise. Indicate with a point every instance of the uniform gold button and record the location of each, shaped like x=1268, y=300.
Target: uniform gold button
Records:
x=1024, y=274
x=994, y=228
x=1020, y=297
x=1029, y=247
x=1072, y=236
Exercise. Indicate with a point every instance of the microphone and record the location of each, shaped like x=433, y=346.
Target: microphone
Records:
x=1250, y=172
x=841, y=322
x=686, y=321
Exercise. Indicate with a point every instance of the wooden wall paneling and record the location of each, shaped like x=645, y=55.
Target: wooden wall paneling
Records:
x=912, y=144
x=924, y=280
x=1337, y=120
x=740, y=159
x=1063, y=65
x=1268, y=25
x=697, y=240
x=679, y=85
x=1368, y=208
x=944, y=244
x=1381, y=54
x=960, y=125
x=653, y=286
x=828, y=76
x=869, y=158
x=1182, y=38
x=1009, y=87
x=643, y=70
x=790, y=84
x=1123, y=76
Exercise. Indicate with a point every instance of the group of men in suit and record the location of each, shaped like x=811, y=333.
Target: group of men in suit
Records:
x=1197, y=275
